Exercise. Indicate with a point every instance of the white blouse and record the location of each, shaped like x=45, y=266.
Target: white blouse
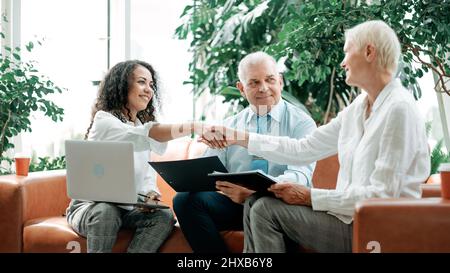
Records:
x=107, y=127
x=384, y=156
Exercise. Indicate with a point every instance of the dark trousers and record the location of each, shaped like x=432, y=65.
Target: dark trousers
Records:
x=202, y=215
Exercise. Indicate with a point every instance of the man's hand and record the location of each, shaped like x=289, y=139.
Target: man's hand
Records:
x=221, y=137
x=235, y=192
x=211, y=135
x=292, y=194
x=215, y=137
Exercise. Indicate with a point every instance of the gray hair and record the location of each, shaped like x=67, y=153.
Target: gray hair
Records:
x=252, y=59
x=382, y=37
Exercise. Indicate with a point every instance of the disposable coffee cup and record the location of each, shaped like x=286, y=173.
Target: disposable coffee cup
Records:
x=444, y=169
x=22, y=164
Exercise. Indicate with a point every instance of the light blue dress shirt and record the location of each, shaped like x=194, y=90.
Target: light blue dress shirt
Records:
x=286, y=120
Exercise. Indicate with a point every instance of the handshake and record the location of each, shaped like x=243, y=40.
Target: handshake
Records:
x=219, y=137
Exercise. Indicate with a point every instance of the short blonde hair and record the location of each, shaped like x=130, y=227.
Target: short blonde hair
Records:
x=252, y=59
x=382, y=37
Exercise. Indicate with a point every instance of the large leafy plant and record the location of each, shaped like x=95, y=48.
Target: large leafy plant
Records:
x=23, y=90
x=308, y=36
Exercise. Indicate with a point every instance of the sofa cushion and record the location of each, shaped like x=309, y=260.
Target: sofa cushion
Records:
x=176, y=243
x=234, y=240
x=326, y=172
x=53, y=234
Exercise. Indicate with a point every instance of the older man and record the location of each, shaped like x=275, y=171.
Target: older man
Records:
x=202, y=215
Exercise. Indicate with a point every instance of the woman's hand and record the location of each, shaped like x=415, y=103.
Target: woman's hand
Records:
x=291, y=193
x=235, y=192
x=152, y=197
x=214, y=137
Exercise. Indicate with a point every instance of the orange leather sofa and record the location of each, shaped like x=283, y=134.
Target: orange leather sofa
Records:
x=32, y=208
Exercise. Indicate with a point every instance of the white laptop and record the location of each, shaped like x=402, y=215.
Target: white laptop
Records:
x=102, y=171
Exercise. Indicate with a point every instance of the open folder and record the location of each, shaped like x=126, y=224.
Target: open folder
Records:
x=255, y=180
x=190, y=175
x=201, y=174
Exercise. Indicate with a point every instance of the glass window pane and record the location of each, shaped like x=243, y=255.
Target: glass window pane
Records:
x=73, y=55
x=153, y=25
x=1, y=23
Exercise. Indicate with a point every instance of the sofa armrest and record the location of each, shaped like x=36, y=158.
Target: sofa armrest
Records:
x=431, y=190
x=40, y=194
x=402, y=225
x=45, y=194
x=11, y=208
x=432, y=187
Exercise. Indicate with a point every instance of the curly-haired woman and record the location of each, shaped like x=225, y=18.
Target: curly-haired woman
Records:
x=125, y=111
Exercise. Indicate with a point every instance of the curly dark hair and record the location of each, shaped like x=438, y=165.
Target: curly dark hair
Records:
x=113, y=93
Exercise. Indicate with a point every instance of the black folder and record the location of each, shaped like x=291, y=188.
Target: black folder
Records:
x=255, y=180
x=190, y=175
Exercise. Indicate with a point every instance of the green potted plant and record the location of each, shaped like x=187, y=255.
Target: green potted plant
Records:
x=23, y=90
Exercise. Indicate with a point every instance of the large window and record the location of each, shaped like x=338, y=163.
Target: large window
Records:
x=73, y=55
x=76, y=52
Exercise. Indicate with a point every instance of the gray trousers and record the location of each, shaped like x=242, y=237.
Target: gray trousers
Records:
x=268, y=222
x=100, y=223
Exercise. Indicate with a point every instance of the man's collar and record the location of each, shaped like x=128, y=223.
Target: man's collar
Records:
x=275, y=112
